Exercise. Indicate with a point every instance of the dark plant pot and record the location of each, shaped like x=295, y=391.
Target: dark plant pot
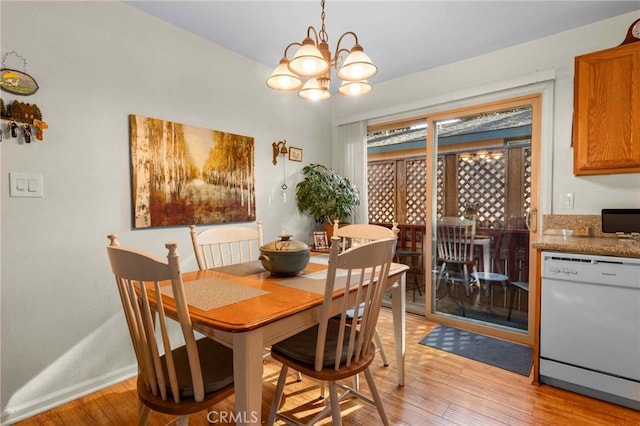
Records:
x=329, y=230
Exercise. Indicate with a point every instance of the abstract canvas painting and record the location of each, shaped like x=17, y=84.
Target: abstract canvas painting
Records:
x=184, y=174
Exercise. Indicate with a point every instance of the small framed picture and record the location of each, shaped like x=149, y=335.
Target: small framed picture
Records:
x=320, y=240
x=295, y=154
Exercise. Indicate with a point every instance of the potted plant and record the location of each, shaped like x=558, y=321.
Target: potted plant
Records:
x=326, y=195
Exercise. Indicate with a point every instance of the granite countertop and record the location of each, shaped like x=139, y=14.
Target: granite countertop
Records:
x=603, y=246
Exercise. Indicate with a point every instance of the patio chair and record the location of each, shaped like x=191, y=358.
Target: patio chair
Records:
x=455, y=253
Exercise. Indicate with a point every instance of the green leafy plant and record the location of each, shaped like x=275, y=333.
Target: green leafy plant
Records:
x=326, y=195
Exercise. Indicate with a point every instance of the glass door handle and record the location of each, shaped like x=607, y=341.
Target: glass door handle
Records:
x=531, y=220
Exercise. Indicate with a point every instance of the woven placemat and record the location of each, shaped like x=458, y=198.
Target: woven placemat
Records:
x=242, y=269
x=316, y=281
x=320, y=259
x=213, y=293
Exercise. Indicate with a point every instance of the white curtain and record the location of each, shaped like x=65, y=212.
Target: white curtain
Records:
x=350, y=160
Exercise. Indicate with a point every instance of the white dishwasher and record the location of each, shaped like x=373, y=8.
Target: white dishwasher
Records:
x=590, y=326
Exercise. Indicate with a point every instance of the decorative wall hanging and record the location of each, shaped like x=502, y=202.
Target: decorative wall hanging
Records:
x=184, y=175
x=20, y=112
x=279, y=148
x=295, y=154
x=15, y=81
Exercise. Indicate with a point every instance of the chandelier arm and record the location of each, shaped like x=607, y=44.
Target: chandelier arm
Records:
x=337, y=57
x=290, y=44
x=338, y=50
x=313, y=30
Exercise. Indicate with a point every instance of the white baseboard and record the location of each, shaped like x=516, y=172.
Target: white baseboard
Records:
x=47, y=402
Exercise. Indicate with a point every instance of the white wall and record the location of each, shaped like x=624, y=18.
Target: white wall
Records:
x=96, y=63
x=62, y=331
x=439, y=88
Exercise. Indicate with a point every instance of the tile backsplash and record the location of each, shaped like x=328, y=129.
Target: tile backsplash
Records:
x=581, y=225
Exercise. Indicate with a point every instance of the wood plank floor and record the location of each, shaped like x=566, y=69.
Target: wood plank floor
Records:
x=441, y=389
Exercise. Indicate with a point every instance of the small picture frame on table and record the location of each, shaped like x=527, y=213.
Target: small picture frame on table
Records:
x=295, y=154
x=320, y=240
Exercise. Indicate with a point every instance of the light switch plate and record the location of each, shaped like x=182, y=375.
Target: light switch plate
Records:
x=566, y=200
x=25, y=185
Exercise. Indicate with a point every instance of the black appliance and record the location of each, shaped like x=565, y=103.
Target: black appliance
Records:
x=621, y=221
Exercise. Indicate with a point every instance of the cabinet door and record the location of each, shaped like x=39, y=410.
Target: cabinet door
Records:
x=606, y=128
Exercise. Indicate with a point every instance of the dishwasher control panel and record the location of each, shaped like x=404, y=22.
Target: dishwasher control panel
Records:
x=611, y=270
x=561, y=270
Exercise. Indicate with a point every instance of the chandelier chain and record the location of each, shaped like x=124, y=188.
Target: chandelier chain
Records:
x=324, y=37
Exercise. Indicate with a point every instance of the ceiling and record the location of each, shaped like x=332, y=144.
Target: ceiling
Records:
x=401, y=37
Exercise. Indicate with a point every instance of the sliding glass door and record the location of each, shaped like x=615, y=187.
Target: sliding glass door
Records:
x=482, y=167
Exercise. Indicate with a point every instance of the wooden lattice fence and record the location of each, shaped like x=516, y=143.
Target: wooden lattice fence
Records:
x=397, y=188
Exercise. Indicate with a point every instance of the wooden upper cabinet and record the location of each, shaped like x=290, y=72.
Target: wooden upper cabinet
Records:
x=606, y=122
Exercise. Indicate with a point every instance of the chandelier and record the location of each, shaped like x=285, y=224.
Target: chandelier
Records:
x=483, y=154
x=313, y=61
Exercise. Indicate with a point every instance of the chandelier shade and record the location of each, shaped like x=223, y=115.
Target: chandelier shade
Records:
x=313, y=90
x=357, y=66
x=354, y=88
x=308, y=61
x=313, y=61
x=283, y=79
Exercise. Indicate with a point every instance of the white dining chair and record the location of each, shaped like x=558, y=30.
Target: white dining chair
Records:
x=356, y=234
x=352, y=235
x=172, y=379
x=334, y=350
x=221, y=246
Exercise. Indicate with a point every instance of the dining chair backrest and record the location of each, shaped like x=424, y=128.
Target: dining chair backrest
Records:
x=455, y=239
x=353, y=235
x=138, y=276
x=222, y=246
x=361, y=271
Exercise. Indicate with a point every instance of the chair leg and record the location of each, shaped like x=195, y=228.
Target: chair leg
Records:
x=380, y=348
x=416, y=280
x=268, y=354
x=467, y=283
x=376, y=396
x=277, y=396
x=440, y=276
x=444, y=275
x=335, y=404
x=513, y=293
x=144, y=413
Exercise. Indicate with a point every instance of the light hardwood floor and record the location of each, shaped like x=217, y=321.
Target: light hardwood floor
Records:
x=441, y=389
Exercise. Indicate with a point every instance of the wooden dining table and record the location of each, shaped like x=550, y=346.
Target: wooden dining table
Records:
x=245, y=308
